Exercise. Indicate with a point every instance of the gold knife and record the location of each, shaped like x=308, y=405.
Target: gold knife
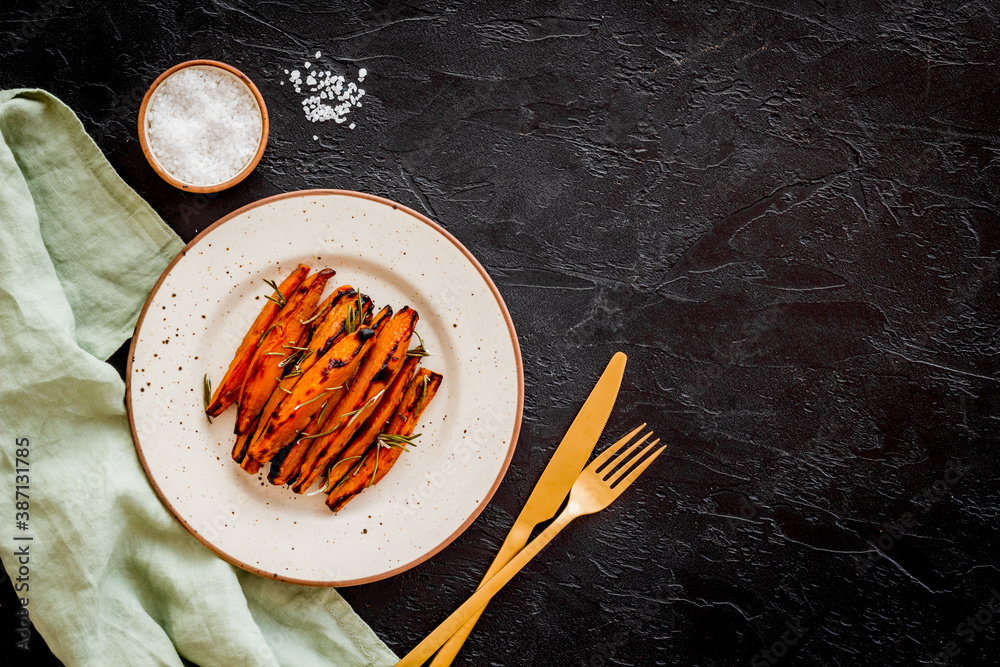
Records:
x=554, y=484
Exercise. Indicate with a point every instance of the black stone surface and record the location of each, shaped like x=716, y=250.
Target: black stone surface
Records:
x=785, y=213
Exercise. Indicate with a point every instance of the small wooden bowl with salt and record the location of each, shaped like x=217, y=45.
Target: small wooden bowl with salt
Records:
x=203, y=126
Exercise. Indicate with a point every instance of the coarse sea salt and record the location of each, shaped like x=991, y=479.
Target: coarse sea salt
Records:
x=326, y=96
x=203, y=125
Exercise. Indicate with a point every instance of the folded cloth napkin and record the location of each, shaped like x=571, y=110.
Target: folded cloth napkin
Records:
x=110, y=577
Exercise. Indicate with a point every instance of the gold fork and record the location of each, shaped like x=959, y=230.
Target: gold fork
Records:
x=597, y=486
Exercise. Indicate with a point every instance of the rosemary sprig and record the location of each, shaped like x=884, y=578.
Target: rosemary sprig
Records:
x=274, y=354
x=354, y=316
x=294, y=356
x=401, y=442
x=419, y=350
x=294, y=347
x=306, y=436
x=353, y=414
x=325, y=487
x=349, y=458
x=314, y=398
x=322, y=411
x=423, y=395
x=317, y=314
x=280, y=299
x=357, y=468
x=208, y=396
x=287, y=391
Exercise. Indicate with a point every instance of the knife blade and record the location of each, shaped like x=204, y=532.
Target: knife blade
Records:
x=553, y=486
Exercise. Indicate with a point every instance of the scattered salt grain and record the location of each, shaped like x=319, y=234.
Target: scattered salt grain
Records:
x=315, y=138
x=203, y=125
x=326, y=95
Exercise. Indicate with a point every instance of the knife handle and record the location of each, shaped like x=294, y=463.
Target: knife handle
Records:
x=516, y=539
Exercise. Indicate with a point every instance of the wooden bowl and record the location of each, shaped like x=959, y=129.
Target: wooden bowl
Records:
x=151, y=157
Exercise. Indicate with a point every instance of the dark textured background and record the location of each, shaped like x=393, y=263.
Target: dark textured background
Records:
x=788, y=218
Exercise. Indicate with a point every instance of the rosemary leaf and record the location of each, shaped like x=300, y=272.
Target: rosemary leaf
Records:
x=423, y=394
x=354, y=413
x=419, y=350
x=322, y=411
x=263, y=335
x=208, y=396
x=280, y=300
x=293, y=357
x=314, y=398
x=306, y=436
x=317, y=314
x=351, y=322
x=401, y=442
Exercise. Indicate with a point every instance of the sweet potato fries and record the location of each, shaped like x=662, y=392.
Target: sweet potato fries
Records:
x=325, y=391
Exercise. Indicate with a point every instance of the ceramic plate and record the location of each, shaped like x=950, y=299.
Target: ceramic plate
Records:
x=198, y=313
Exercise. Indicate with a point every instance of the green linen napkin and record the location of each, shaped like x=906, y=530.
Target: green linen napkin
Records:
x=109, y=577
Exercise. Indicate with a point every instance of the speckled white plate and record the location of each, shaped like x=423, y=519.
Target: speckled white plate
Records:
x=200, y=310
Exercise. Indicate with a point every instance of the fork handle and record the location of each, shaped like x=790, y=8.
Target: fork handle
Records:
x=515, y=541
x=474, y=604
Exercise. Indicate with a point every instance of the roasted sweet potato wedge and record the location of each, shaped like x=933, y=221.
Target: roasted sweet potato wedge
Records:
x=321, y=427
x=228, y=390
x=390, y=444
x=250, y=465
x=329, y=322
x=285, y=332
x=312, y=390
x=285, y=463
x=240, y=447
x=365, y=436
x=376, y=373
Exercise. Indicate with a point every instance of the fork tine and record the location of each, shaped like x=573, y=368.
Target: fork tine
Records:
x=626, y=461
x=624, y=482
x=613, y=449
x=623, y=460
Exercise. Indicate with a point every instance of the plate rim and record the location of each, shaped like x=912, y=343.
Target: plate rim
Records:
x=517, y=358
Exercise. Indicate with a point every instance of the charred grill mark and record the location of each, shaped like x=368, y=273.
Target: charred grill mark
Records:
x=385, y=374
x=240, y=455
x=279, y=458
